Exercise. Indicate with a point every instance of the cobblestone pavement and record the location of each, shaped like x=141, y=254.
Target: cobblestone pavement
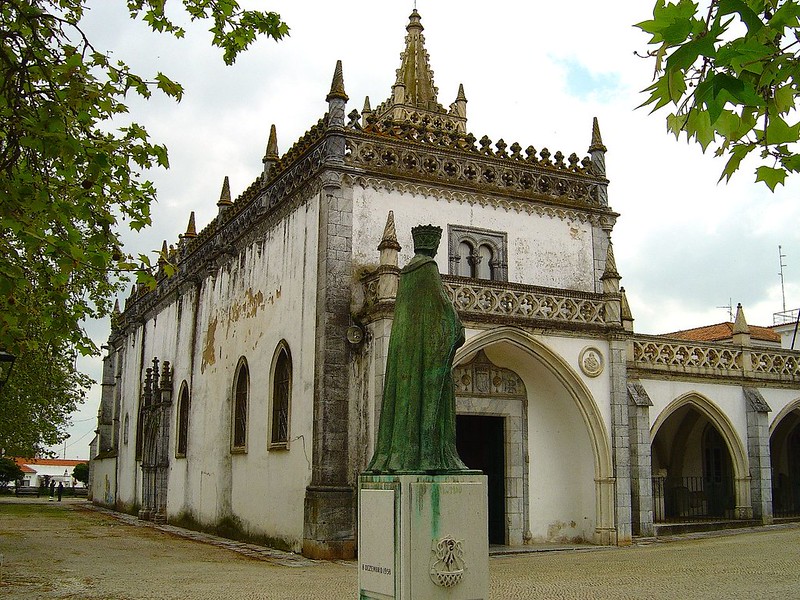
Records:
x=72, y=551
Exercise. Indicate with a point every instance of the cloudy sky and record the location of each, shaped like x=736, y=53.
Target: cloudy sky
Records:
x=533, y=72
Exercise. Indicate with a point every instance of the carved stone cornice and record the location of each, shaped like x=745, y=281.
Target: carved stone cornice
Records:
x=519, y=205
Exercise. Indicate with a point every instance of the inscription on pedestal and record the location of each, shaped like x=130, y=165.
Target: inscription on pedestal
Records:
x=376, y=548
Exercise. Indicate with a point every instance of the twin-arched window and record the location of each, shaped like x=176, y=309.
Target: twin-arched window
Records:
x=478, y=253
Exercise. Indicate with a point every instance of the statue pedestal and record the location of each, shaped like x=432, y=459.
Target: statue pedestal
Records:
x=423, y=536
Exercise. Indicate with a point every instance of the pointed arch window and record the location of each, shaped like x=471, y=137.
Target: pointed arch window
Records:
x=478, y=253
x=241, y=392
x=183, y=421
x=281, y=397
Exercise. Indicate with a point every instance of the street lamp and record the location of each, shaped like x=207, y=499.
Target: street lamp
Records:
x=6, y=362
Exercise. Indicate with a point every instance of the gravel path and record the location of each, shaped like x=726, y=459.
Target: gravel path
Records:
x=70, y=551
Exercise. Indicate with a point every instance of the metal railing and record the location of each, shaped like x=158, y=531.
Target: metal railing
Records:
x=692, y=498
x=785, y=497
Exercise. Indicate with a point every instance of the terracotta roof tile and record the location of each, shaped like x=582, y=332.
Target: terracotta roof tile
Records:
x=721, y=332
x=49, y=462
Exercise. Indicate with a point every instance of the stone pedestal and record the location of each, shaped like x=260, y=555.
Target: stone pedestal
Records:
x=423, y=536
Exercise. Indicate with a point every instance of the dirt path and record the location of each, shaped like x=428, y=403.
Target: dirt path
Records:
x=67, y=551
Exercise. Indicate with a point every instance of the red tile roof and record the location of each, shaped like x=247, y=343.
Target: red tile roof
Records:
x=721, y=332
x=49, y=462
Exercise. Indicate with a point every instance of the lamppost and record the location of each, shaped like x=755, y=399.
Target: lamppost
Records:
x=6, y=362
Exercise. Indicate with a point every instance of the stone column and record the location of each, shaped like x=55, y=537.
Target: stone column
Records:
x=758, y=455
x=329, y=512
x=641, y=462
x=620, y=445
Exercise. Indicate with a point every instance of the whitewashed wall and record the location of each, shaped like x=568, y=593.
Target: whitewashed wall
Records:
x=542, y=250
x=264, y=295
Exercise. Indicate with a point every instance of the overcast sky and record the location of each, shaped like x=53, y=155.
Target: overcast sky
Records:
x=533, y=72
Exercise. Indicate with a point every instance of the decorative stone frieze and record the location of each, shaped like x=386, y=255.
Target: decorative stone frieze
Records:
x=451, y=158
x=718, y=360
x=519, y=205
x=483, y=299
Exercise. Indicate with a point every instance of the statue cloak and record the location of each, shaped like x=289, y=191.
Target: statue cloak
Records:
x=417, y=431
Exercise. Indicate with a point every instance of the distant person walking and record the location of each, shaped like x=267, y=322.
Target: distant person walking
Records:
x=52, y=490
x=60, y=490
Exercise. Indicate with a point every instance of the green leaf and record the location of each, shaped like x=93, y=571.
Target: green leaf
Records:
x=779, y=132
x=771, y=176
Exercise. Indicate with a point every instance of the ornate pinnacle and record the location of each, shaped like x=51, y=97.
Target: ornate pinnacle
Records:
x=191, y=230
x=414, y=21
x=740, y=326
x=225, y=195
x=272, y=146
x=625, y=311
x=461, y=97
x=162, y=256
x=367, y=108
x=610, y=271
x=597, y=140
x=389, y=240
x=116, y=307
x=337, y=85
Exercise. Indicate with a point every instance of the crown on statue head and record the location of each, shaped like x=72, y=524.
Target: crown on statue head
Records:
x=426, y=237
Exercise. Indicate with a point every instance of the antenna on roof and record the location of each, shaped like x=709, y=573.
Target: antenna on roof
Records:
x=781, y=256
x=729, y=308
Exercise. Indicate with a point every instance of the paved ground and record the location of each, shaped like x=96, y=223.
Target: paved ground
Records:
x=67, y=551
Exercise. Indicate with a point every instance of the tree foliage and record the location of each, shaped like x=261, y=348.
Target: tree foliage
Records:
x=36, y=403
x=68, y=179
x=731, y=69
x=9, y=471
x=81, y=473
x=72, y=164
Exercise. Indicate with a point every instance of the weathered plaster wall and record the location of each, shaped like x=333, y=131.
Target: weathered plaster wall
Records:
x=258, y=297
x=542, y=250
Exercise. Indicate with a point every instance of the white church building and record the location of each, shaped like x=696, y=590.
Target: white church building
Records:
x=245, y=390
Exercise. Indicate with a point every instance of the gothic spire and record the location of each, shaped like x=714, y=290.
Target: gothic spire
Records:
x=337, y=85
x=191, y=230
x=225, y=194
x=740, y=325
x=610, y=271
x=271, y=154
x=389, y=235
x=415, y=74
x=741, y=331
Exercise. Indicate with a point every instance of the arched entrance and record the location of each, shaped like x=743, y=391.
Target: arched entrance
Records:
x=698, y=464
x=557, y=483
x=784, y=446
x=491, y=406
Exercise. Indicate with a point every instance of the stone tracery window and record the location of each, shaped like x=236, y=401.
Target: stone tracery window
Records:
x=281, y=397
x=240, y=397
x=183, y=421
x=478, y=253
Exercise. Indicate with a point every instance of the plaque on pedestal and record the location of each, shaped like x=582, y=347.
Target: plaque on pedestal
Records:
x=423, y=536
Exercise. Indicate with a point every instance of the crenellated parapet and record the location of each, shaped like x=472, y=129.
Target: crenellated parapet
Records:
x=428, y=149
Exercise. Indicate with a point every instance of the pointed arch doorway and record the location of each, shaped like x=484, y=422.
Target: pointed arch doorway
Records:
x=491, y=404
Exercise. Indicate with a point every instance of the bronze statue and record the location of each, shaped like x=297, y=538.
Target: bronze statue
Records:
x=417, y=431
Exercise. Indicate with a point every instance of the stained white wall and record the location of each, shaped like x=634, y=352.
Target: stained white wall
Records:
x=263, y=295
x=542, y=250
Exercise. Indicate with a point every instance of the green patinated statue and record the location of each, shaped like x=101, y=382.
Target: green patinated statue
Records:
x=417, y=431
